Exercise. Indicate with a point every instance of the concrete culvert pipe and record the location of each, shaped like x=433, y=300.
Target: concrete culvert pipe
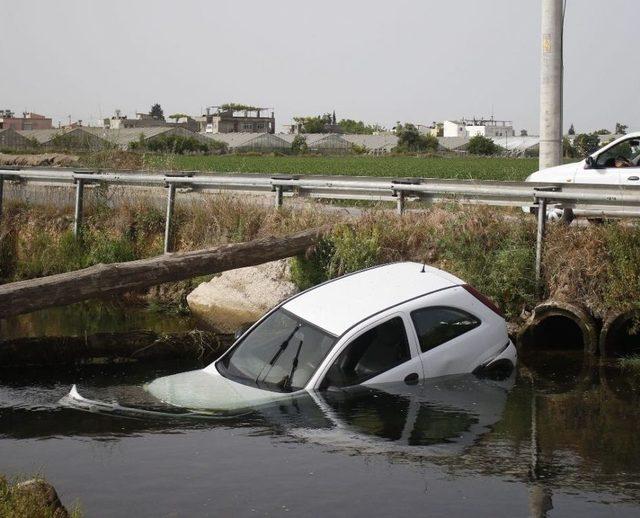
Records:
x=620, y=335
x=560, y=326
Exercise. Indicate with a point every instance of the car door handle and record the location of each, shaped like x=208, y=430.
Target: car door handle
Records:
x=634, y=178
x=412, y=379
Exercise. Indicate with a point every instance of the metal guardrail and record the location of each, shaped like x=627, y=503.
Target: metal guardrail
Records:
x=583, y=199
x=587, y=199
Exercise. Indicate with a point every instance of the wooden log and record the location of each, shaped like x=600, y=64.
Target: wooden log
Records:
x=108, y=279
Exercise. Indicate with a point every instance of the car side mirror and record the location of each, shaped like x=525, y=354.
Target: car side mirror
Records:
x=589, y=162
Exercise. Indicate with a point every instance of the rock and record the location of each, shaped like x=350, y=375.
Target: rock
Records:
x=43, y=495
x=241, y=296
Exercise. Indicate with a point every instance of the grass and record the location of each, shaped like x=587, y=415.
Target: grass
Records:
x=596, y=265
x=20, y=504
x=480, y=168
x=630, y=364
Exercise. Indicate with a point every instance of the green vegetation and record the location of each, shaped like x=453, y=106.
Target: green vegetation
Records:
x=238, y=107
x=358, y=127
x=599, y=265
x=299, y=145
x=484, y=146
x=17, y=503
x=481, y=168
x=494, y=254
x=586, y=144
x=178, y=145
x=156, y=111
x=412, y=141
x=630, y=364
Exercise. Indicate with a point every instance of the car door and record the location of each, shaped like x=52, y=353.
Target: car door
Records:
x=617, y=164
x=451, y=339
x=382, y=352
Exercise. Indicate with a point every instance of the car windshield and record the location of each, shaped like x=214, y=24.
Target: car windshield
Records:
x=280, y=354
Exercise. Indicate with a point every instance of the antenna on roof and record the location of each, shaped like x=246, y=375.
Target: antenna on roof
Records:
x=423, y=268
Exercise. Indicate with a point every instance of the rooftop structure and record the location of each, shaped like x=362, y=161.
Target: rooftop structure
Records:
x=235, y=118
x=473, y=127
x=142, y=120
x=28, y=121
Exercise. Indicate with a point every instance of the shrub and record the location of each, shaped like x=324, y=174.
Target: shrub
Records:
x=299, y=145
x=480, y=145
x=411, y=140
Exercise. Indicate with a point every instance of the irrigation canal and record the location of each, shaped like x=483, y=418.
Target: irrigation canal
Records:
x=558, y=439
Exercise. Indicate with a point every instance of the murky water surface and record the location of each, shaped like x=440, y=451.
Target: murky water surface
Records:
x=560, y=439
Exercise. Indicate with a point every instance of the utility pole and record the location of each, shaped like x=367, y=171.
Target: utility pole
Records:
x=551, y=78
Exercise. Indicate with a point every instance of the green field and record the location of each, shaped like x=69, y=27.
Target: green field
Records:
x=400, y=166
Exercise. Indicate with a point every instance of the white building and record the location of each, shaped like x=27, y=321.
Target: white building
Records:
x=489, y=128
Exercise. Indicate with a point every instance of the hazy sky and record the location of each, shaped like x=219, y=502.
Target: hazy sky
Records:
x=377, y=60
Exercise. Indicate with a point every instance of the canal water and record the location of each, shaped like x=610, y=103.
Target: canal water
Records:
x=560, y=438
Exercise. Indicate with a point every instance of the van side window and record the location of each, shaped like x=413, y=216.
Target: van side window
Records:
x=374, y=352
x=438, y=325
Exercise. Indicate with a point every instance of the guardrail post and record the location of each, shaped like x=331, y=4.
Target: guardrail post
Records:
x=1, y=193
x=171, y=196
x=77, y=215
x=542, y=219
x=401, y=194
x=279, y=196
x=279, y=189
x=400, y=203
x=171, y=201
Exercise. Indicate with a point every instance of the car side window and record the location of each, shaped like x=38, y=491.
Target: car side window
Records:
x=624, y=154
x=437, y=325
x=382, y=348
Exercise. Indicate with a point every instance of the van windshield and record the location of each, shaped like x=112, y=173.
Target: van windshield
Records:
x=280, y=354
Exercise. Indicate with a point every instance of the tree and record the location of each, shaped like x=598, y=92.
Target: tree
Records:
x=299, y=145
x=524, y=133
x=568, y=150
x=621, y=129
x=586, y=144
x=602, y=132
x=411, y=140
x=358, y=127
x=572, y=130
x=238, y=107
x=177, y=116
x=480, y=145
x=313, y=124
x=156, y=112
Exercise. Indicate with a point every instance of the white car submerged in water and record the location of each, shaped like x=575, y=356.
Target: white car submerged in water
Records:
x=616, y=164
x=391, y=323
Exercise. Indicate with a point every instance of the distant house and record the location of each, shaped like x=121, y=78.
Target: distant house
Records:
x=239, y=121
x=489, y=128
x=142, y=120
x=28, y=121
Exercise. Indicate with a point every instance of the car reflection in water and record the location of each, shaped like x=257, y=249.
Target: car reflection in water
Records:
x=438, y=416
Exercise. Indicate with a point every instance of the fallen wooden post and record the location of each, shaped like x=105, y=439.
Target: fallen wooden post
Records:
x=108, y=279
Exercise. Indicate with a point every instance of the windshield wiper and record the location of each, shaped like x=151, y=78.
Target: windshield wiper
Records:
x=280, y=350
x=294, y=366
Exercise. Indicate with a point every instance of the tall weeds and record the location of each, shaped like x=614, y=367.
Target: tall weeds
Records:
x=597, y=265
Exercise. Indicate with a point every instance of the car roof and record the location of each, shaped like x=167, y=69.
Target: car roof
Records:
x=337, y=305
